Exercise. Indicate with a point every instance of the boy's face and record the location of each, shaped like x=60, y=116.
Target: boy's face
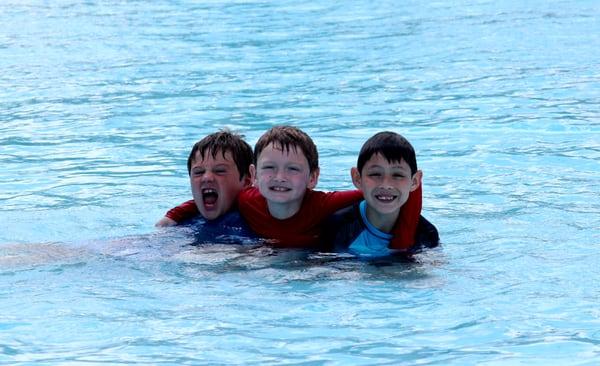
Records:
x=385, y=185
x=215, y=183
x=283, y=176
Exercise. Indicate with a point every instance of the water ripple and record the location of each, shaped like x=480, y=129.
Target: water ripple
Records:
x=100, y=103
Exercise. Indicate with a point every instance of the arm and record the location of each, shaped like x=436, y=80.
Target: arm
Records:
x=334, y=201
x=406, y=226
x=165, y=221
x=182, y=212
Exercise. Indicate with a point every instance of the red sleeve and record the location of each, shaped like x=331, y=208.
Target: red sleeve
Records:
x=183, y=212
x=330, y=202
x=406, y=225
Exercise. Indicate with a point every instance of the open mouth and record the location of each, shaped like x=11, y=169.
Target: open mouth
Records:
x=209, y=196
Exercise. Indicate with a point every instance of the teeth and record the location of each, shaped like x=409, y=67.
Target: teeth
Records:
x=280, y=189
x=385, y=198
x=209, y=196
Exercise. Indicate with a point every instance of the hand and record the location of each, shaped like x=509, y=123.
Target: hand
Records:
x=165, y=222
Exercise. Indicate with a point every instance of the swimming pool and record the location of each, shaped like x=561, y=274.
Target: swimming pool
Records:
x=101, y=101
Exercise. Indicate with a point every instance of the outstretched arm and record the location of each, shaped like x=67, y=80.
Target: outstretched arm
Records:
x=178, y=214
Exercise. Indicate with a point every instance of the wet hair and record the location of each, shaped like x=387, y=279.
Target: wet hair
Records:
x=286, y=138
x=222, y=142
x=392, y=146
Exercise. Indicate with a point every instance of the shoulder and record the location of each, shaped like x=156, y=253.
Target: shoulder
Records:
x=345, y=215
x=249, y=193
x=341, y=228
x=427, y=235
x=251, y=201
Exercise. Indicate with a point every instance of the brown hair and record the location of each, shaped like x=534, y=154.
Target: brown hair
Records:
x=287, y=137
x=222, y=142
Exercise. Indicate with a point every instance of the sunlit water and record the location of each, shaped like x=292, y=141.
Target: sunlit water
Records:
x=100, y=103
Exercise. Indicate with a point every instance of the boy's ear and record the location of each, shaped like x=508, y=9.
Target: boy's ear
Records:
x=313, y=178
x=252, y=177
x=355, y=174
x=247, y=180
x=417, y=178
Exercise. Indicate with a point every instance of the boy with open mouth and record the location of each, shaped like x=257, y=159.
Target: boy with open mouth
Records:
x=219, y=169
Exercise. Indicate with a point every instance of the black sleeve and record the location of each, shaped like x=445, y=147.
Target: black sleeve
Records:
x=427, y=236
x=340, y=229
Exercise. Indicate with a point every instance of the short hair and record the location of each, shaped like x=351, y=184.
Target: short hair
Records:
x=287, y=137
x=393, y=147
x=222, y=142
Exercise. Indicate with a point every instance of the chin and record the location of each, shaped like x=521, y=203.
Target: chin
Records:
x=209, y=215
x=386, y=210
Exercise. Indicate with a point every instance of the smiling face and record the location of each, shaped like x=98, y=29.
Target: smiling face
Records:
x=282, y=177
x=215, y=183
x=386, y=186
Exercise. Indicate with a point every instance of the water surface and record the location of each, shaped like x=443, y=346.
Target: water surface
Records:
x=100, y=103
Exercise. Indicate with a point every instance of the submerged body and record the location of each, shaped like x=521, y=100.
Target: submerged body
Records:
x=229, y=228
x=349, y=230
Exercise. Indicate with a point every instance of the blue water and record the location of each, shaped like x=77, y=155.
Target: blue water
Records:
x=100, y=103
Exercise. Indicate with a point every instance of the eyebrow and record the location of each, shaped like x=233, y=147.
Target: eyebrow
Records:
x=393, y=167
x=220, y=165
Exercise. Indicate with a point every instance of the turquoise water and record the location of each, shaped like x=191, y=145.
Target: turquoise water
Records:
x=101, y=101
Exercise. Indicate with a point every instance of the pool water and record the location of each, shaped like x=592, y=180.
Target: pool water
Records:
x=100, y=103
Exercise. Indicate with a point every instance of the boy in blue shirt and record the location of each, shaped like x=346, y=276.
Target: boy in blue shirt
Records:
x=219, y=169
x=386, y=173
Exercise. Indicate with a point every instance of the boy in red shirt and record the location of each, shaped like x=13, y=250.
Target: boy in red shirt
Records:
x=283, y=207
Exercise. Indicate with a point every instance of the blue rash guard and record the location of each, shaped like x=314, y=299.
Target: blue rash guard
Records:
x=349, y=230
x=230, y=228
x=371, y=241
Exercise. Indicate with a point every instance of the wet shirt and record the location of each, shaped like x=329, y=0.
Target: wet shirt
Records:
x=349, y=230
x=230, y=228
x=302, y=230
x=371, y=241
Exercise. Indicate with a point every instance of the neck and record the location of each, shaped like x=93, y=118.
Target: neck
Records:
x=384, y=222
x=282, y=211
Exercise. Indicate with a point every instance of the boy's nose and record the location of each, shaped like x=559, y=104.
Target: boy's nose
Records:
x=387, y=182
x=279, y=176
x=208, y=177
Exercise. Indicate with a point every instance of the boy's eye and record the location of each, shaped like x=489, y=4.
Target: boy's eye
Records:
x=198, y=172
x=374, y=175
x=267, y=167
x=220, y=171
x=398, y=176
x=294, y=169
